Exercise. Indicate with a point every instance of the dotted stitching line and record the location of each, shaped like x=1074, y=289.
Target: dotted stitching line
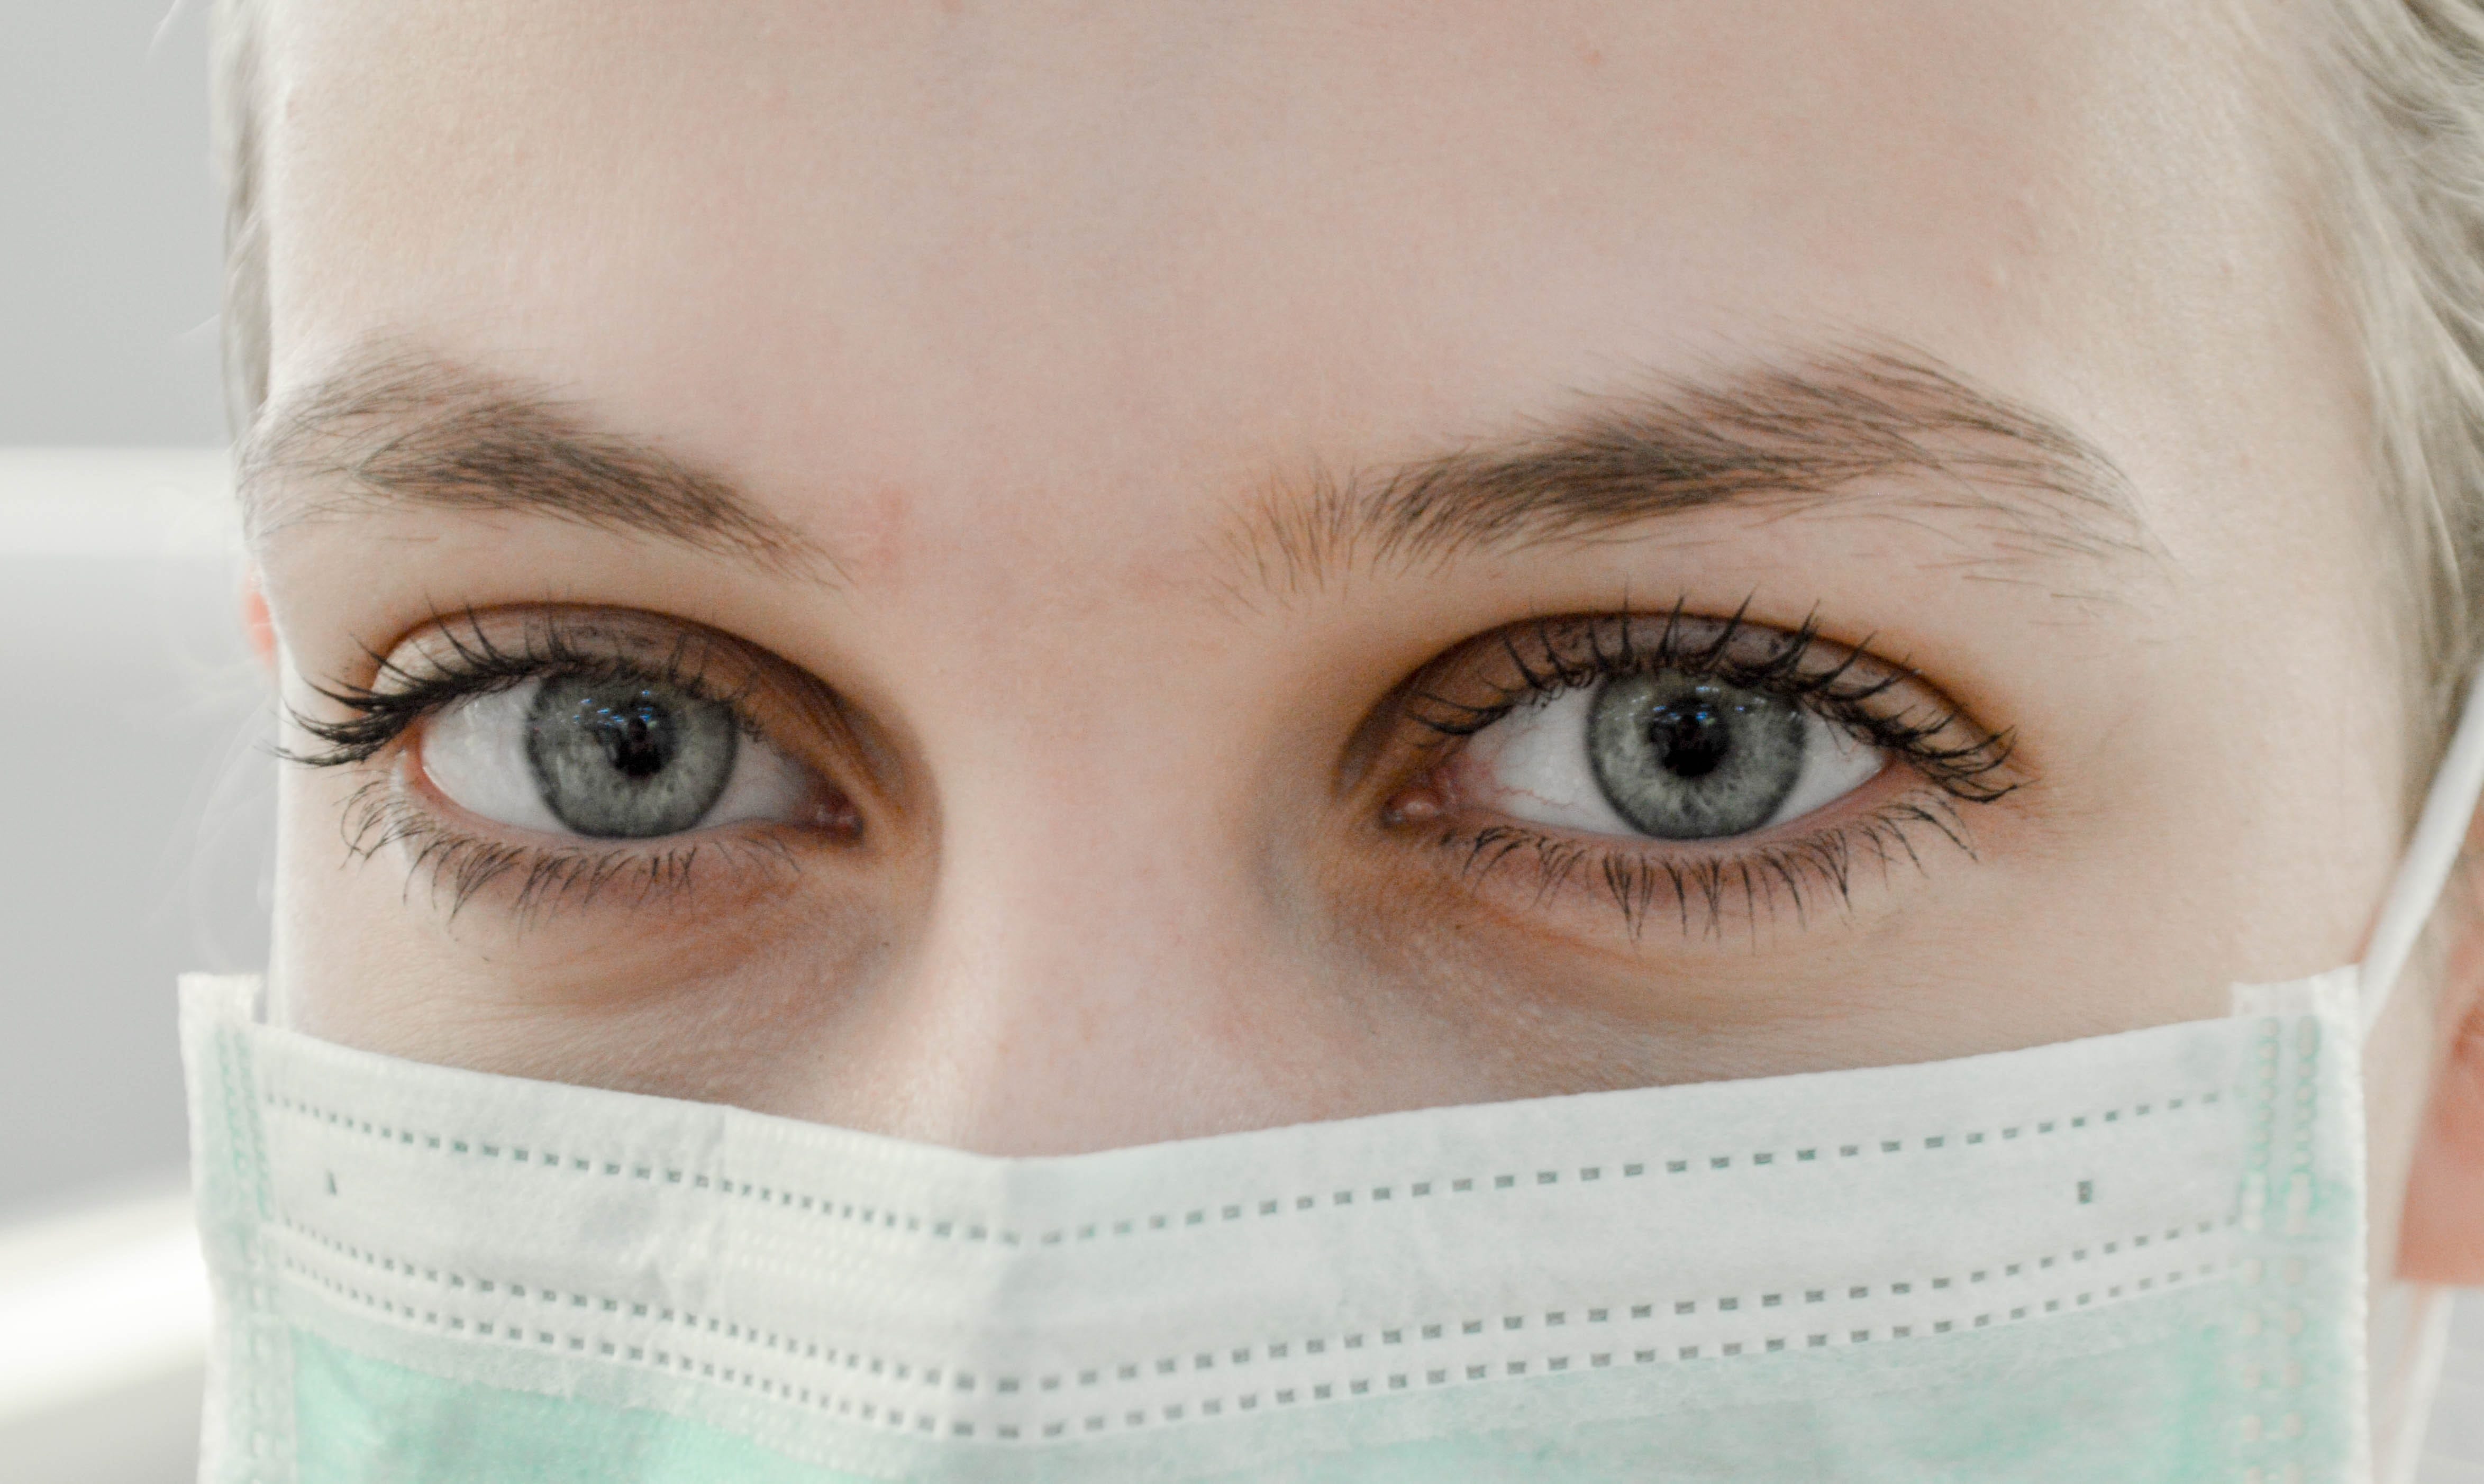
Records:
x=261, y=1396
x=1175, y=1412
x=2290, y=1438
x=792, y=1347
x=883, y=1219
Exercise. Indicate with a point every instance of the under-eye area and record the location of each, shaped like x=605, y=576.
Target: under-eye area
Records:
x=1700, y=770
x=555, y=754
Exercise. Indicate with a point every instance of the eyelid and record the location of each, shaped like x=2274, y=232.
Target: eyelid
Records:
x=1531, y=766
x=1942, y=759
x=1884, y=704
x=465, y=656
x=461, y=656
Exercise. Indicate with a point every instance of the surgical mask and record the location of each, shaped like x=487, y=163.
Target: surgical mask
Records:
x=2139, y=1257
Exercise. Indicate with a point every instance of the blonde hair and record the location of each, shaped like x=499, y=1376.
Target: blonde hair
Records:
x=2402, y=82
x=236, y=102
x=2398, y=124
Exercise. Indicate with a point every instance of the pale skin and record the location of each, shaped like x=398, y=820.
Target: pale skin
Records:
x=1010, y=326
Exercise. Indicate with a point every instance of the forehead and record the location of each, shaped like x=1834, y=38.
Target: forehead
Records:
x=978, y=249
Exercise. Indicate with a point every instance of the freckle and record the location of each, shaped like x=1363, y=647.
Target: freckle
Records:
x=1592, y=56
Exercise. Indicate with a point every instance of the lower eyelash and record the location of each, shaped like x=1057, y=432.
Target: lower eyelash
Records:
x=1705, y=892
x=379, y=815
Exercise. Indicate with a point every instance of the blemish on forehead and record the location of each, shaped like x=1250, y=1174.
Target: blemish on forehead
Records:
x=876, y=533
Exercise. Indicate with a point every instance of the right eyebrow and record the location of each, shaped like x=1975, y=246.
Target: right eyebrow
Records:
x=396, y=426
x=2011, y=484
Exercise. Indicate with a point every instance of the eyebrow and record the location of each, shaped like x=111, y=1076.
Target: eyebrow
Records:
x=395, y=426
x=1876, y=430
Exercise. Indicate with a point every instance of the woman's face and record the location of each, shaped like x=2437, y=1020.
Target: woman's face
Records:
x=1048, y=576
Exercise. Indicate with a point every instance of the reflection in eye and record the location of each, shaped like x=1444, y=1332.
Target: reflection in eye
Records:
x=609, y=757
x=1668, y=754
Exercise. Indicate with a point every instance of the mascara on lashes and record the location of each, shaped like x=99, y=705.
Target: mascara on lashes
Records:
x=1966, y=763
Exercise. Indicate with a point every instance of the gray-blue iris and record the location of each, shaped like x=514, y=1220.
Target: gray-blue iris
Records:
x=626, y=758
x=1685, y=758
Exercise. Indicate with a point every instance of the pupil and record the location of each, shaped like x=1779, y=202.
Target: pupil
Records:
x=621, y=759
x=1680, y=757
x=1691, y=741
x=639, y=739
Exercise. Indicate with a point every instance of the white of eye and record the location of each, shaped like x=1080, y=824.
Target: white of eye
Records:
x=1532, y=765
x=474, y=752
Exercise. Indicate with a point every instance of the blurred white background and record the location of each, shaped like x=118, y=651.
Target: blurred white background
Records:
x=135, y=788
x=134, y=797
x=138, y=808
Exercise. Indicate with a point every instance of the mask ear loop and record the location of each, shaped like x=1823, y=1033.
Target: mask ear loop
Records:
x=2439, y=834
x=2413, y=1385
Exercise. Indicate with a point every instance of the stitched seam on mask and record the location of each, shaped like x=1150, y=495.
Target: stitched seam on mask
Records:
x=2277, y=1435
x=1500, y=1367
x=260, y=1399
x=640, y=1340
x=663, y=1177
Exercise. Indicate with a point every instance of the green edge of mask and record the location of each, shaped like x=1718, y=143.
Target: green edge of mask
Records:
x=2069, y=1418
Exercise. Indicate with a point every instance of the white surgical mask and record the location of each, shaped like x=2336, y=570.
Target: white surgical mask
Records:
x=2134, y=1258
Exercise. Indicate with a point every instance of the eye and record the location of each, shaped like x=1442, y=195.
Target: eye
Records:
x=1668, y=754
x=608, y=757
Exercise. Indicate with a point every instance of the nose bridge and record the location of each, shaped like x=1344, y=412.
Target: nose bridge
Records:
x=1092, y=916
x=1083, y=893
x=1085, y=797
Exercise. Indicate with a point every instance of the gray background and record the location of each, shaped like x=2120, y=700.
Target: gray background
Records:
x=137, y=808
x=109, y=225
x=134, y=801
x=128, y=693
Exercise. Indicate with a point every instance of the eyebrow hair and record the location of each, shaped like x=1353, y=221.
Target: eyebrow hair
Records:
x=1798, y=435
x=394, y=425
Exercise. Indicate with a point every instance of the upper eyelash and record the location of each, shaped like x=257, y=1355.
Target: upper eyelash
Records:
x=1547, y=656
x=474, y=664
x=399, y=696
x=1550, y=656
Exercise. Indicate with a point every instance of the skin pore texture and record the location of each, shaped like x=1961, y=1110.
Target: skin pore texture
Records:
x=1077, y=434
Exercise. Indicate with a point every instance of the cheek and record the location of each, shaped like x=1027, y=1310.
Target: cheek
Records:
x=693, y=1001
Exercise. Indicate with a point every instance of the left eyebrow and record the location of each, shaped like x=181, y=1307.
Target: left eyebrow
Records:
x=1828, y=427
x=393, y=427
